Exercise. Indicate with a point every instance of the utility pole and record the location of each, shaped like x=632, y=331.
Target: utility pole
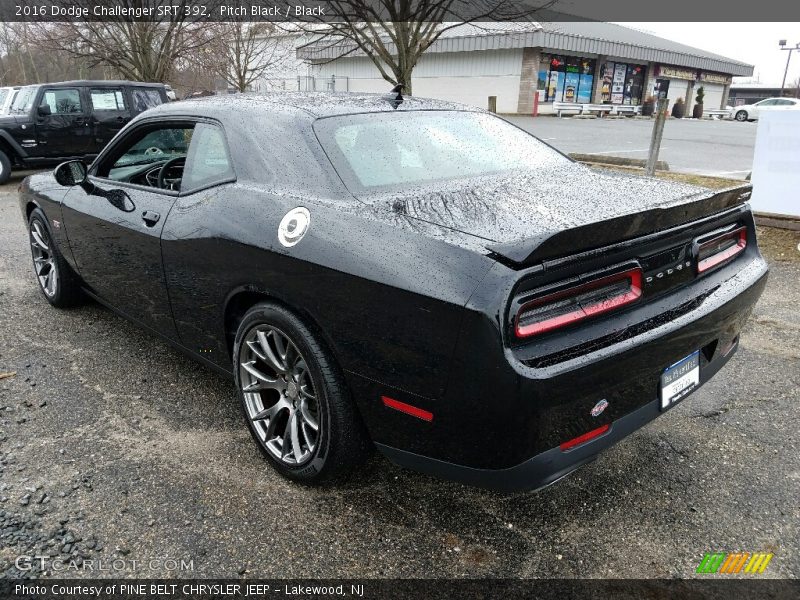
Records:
x=655, y=139
x=782, y=44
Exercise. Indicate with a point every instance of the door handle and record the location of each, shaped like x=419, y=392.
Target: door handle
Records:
x=150, y=218
x=120, y=119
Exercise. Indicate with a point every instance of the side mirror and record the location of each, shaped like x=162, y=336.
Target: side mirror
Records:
x=44, y=110
x=72, y=172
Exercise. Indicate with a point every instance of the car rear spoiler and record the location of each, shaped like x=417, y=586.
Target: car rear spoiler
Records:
x=530, y=251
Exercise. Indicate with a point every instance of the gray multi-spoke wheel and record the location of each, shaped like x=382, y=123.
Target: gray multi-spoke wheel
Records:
x=56, y=279
x=741, y=116
x=43, y=261
x=294, y=397
x=279, y=395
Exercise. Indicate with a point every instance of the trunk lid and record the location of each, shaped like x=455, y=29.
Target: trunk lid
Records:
x=527, y=218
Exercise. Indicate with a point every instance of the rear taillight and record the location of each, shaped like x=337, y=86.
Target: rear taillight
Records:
x=582, y=439
x=721, y=249
x=576, y=303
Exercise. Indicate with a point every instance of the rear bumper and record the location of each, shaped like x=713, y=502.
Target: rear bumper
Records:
x=501, y=424
x=548, y=467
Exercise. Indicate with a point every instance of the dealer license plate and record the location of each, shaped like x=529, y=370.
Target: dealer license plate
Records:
x=679, y=380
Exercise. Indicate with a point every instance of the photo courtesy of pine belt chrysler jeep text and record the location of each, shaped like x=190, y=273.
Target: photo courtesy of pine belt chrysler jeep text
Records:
x=411, y=275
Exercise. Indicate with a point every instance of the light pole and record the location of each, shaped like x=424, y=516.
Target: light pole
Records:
x=782, y=44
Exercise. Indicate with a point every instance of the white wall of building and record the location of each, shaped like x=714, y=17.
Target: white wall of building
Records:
x=713, y=94
x=468, y=77
x=285, y=67
x=677, y=89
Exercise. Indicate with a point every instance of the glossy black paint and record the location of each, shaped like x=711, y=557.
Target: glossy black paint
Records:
x=414, y=292
x=35, y=139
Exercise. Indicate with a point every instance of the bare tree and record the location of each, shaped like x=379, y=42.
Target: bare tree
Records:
x=394, y=34
x=137, y=50
x=23, y=60
x=241, y=53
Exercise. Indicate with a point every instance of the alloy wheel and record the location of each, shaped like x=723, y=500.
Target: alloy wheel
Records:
x=279, y=395
x=44, y=262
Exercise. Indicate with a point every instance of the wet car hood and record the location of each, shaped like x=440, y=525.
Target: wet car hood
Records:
x=518, y=214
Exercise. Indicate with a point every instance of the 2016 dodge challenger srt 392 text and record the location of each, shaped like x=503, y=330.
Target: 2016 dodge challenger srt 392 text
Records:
x=407, y=274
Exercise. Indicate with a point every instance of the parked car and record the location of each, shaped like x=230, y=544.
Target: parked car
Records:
x=53, y=122
x=414, y=274
x=7, y=95
x=751, y=112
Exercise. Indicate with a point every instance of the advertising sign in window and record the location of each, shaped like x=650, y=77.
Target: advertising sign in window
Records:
x=618, y=87
x=605, y=87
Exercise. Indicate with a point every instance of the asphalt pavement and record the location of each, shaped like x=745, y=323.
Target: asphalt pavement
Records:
x=115, y=446
x=703, y=147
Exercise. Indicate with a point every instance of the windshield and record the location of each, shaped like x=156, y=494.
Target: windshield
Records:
x=379, y=150
x=24, y=100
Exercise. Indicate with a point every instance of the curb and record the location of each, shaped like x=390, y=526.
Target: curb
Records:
x=604, y=159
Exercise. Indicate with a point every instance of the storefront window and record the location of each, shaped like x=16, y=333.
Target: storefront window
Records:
x=622, y=83
x=566, y=78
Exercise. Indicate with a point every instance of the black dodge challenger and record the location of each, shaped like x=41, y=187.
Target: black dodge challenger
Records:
x=411, y=274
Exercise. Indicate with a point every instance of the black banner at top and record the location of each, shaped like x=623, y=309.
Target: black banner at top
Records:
x=287, y=11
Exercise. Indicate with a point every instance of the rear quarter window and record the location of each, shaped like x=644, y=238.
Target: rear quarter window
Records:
x=144, y=98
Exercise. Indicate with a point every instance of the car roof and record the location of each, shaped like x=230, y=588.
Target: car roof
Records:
x=98, y=82
x=313, y=104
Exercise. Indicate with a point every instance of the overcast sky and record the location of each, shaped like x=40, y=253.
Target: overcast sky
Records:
x=753, y=43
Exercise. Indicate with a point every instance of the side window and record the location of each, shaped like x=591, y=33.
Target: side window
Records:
x=144, y=98
x=63, y=102
x=107, y=99
x=150, y=147
x=208, y=160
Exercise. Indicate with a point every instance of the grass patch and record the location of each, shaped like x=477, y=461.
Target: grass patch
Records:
x=714, y=183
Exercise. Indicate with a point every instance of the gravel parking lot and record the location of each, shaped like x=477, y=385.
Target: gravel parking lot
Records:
x=113, y=445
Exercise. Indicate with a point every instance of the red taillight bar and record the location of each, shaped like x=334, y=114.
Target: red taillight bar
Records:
x=583, y=311
x=582, y=439
x=719, y=258
x=409, y=409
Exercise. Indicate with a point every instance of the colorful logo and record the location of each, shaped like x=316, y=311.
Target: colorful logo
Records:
x=736, y=562
x=598, y=408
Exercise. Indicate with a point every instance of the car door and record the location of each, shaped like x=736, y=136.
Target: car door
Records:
x=191, y=259
x=110, y=113
x=114, y=221
x=62, y=123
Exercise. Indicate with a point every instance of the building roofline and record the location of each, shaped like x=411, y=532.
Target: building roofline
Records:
x=648, y=48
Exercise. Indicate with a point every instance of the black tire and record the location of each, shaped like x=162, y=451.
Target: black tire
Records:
x=5, y=167
x=342, y=443
x=66, y=291
x=741, y=116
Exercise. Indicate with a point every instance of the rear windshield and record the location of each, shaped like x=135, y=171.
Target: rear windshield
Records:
x=380, y=150
x=24, y=100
